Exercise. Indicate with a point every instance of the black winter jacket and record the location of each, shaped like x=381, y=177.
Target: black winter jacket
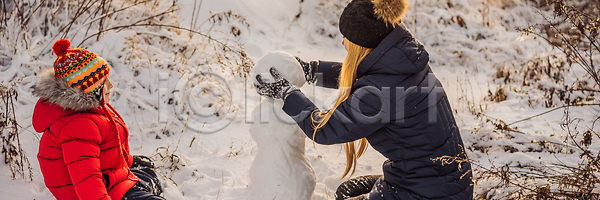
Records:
x=401, y=108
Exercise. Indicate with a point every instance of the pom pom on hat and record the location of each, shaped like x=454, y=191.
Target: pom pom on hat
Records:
x=80, y=68
x=390, y=11
x=367, y=22
x=61, y=46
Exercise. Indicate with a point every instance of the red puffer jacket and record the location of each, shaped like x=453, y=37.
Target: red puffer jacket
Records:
x=79, y=152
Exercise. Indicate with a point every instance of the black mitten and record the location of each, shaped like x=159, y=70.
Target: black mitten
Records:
x=142, y=161
x=279, y=89
x=309, y=69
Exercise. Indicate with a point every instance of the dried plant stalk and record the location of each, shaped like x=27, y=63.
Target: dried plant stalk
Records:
x=13, y=153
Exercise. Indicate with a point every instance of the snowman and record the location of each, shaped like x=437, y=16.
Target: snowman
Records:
x=280, y=169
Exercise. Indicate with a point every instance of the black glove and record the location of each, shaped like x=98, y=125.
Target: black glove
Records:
x=142, y=161
x=280, y=89
x=309, y=70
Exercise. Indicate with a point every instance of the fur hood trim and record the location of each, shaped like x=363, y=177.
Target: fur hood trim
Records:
x=58, y=92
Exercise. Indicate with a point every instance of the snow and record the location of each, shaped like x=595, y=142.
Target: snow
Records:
x=286, y=65
x=223, y=162
x=280, y=169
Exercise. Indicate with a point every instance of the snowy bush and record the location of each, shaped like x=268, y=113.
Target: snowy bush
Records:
x=567, y=80
x=140, y=39
x=12, y=150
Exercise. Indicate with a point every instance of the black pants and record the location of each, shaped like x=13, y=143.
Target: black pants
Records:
x=356, y=188
x=147, y=188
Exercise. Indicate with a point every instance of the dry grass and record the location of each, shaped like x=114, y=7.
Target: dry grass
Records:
x=573, y=30
x=13, y=153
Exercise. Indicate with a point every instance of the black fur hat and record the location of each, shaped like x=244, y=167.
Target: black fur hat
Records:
x=367, y=22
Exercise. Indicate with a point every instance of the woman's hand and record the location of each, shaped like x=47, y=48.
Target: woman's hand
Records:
x=309, y=70
x=279, y=89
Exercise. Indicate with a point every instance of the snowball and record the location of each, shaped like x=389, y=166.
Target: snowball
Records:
x=286, y=64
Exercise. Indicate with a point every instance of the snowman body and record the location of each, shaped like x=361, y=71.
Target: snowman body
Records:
x=280, y=169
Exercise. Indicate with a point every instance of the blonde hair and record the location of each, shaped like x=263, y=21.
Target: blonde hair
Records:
x=356, y=54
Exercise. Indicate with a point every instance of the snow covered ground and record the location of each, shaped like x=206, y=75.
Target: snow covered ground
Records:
x=468, y=40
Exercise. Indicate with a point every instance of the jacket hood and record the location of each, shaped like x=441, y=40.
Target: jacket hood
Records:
x=45, y=114
x=398, y=53
x=58, y=92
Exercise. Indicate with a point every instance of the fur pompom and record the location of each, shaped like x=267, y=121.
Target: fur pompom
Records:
x=61, y=46
x=390, y=11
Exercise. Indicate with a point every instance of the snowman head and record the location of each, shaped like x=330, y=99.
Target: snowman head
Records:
x=286, y=64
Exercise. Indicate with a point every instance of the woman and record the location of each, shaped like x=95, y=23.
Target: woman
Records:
x=84, y=149
x=389, y=98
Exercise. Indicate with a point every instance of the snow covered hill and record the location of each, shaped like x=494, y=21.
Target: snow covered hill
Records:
x=160, y=75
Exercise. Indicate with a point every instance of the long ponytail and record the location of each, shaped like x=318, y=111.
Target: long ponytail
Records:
x=356, y=54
